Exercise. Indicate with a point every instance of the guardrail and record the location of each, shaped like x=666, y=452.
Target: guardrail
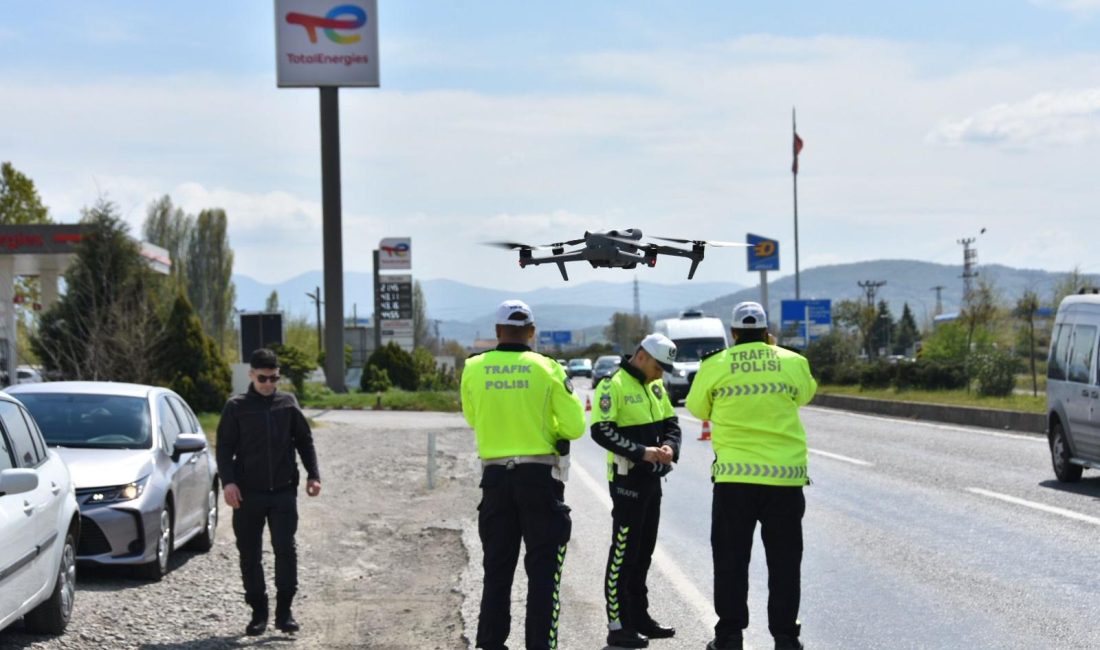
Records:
x=1035, y=423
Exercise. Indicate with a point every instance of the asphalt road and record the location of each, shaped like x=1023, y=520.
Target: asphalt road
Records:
x=918, y=535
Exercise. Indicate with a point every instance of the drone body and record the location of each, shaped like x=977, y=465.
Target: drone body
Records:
x=612, y=249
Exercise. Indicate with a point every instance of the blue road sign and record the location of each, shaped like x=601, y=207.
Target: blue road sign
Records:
x=802, y=319
x=763, y=253
x=555, y=337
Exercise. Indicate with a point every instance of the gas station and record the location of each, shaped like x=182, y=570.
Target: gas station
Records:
x=43, y=251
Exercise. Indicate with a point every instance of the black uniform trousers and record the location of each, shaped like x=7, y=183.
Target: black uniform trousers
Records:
x=734, y=512
x=279, y=511
x=521, y=503
x=635, y=517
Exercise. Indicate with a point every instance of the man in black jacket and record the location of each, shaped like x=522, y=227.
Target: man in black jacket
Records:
x=257, y=435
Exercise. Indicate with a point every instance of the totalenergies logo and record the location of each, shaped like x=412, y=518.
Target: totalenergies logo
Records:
x=397, y=250
x=342, y=17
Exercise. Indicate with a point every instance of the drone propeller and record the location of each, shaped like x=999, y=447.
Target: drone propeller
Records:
x=516, y=245
x=702, y=242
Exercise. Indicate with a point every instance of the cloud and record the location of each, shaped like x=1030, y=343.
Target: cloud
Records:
x=1048, y=119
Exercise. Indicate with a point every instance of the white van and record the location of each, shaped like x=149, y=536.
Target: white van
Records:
x=1073, y=387
x=694, y=335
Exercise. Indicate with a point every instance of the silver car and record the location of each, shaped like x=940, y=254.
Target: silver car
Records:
x=145, y=480
x=1073, y=387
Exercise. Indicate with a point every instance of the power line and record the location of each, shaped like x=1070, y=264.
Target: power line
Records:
x=870, y=287
x=939, y=298
x=970, y=260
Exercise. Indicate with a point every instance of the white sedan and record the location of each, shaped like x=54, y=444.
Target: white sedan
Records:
x=39, y=526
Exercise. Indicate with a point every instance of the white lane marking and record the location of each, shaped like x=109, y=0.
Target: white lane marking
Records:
x=679, y=580
x=946, y=427
x=1037, y=506
x=846, y=459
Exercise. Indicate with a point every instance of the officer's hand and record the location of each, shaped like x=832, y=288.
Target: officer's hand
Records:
x=232, y=495
x=313, y=487
x=665, y=454
x=771, y=339
x=652, y=455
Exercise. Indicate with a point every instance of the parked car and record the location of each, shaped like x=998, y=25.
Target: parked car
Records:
x=1073, y=387
x=605, y=367
x=39, y=526
x=579, y=368
x=145, y=480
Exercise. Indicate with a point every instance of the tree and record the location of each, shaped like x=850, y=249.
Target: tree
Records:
x=19, y=200
x=906, y=334
x=1070, y=284
x=209, y=274
x=979, y=311
x=859, y=316
x=296, y=364
x=626, y=331
x=106, y=326
x=189, y=360
x=272, y=302
x=1026, y=308
x=882, y=332
x=422, y=334
x=170, y=228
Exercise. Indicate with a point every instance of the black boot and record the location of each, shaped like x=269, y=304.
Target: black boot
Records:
x=788, y=643
x=284, y=620
x=625, y=638
x=258, y=623
x=655, y=630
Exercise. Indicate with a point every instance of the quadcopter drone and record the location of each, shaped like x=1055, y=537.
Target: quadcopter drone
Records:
x=612, y=249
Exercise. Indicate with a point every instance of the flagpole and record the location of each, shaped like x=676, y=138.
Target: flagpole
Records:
x=794, y=175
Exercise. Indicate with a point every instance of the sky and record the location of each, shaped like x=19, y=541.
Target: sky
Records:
x=923, y=124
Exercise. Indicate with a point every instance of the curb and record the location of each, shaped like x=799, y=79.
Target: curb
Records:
x=1034, y=423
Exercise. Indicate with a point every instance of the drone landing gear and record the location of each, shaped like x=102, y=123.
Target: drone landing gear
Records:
x=564, y=275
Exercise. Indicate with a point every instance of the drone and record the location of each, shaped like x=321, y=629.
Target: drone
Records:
x=612, y=249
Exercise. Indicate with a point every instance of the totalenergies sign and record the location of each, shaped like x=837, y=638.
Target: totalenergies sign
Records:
x=395, y=254
x=326, y=43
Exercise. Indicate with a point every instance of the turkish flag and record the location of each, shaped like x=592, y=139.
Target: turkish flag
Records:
x=797, y=150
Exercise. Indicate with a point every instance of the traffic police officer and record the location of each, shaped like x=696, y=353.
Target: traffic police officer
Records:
x=635, y=422
x=523, y=411
x=751, y=393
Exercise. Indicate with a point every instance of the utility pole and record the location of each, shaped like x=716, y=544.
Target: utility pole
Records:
x=316, y=298
x=637, y=302
x=970, y=260
x=939, y=299
x=870, y=287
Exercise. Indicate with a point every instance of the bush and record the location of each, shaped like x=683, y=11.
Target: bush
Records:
x=995, y=372
x=397, y=363
x=189, y=360
x=880, y=374
x=938, y=374
x=294, y=363
x=375, y=380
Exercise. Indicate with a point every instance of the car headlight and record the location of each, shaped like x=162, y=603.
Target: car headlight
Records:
x=119, y=493
x=680, y=372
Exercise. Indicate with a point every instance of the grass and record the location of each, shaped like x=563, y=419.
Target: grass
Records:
x=392, y=400
x=1025, y=403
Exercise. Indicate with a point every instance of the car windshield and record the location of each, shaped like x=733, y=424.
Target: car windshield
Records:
x=603, y=364
x=579, y=363
x=694, y=349
x=91, y=421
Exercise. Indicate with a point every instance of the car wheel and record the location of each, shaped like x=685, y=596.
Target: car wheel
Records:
x=52, y=616
x=205, y=541
x=158, y=568
x=1066, y=471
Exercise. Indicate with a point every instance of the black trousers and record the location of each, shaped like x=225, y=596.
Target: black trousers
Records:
x=278, y=510
x=525, y=503
x=734, y=512
x=635, y=517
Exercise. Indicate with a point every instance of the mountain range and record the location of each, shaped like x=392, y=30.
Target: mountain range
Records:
x=465, y=312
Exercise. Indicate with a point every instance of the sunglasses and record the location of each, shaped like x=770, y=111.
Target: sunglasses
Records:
x=263, y=379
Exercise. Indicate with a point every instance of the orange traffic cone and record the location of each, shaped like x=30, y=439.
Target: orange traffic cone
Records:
x=705, y=435
x=587, y=404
